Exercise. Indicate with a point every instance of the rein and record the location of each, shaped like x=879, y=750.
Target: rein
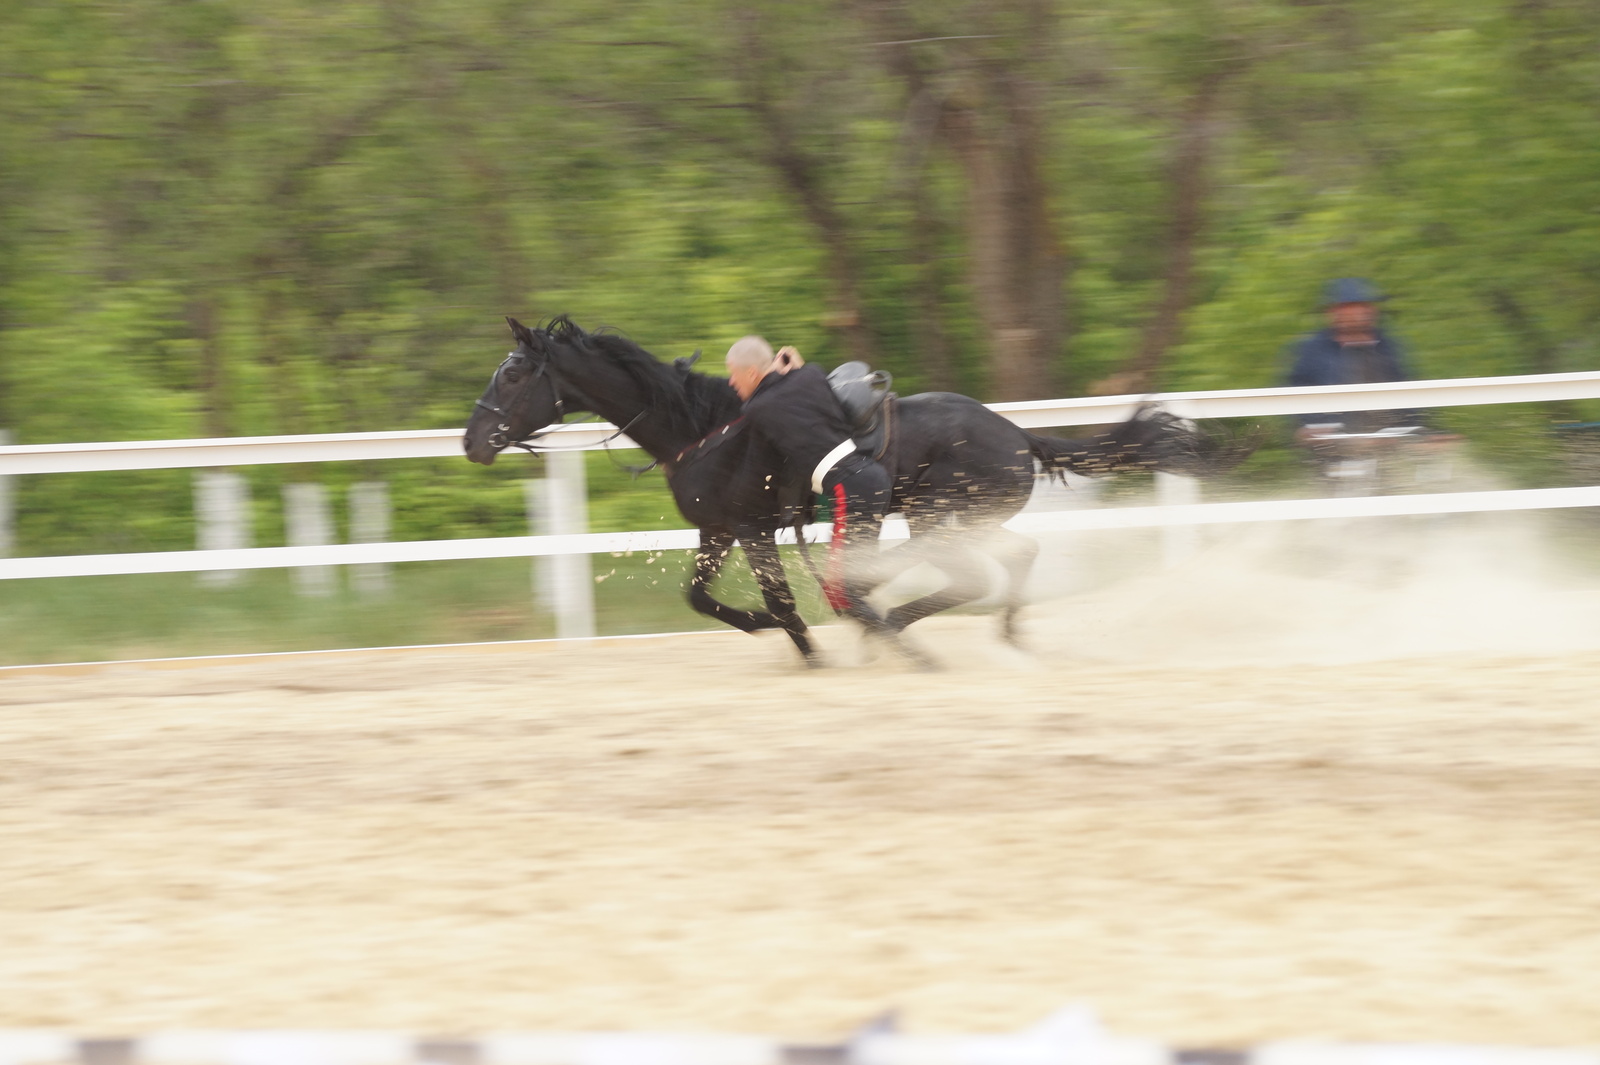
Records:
x=724, y=427
x=527, y=446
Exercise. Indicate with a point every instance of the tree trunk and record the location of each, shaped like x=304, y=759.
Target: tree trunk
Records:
x=1018, y=268
x=932, y=352
x=215, y=409
x=990, y=115
x=1189, y=181
x=847, y=315
x=922, y=119
x=801, y=173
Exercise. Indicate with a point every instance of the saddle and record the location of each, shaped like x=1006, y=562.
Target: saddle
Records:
x=868, y=403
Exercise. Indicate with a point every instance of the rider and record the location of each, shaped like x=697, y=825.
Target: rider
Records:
x=794, y=413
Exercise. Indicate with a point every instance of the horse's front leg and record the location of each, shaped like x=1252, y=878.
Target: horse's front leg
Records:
x=762, y=551
x=708, y=561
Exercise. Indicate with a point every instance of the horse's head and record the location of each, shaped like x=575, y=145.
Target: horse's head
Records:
x=522, y=398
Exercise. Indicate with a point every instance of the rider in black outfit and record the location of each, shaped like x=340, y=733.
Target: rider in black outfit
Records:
x=796, y=417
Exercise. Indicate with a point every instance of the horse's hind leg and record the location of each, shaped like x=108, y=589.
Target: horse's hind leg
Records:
x=965, y=582
x=708, y=562
x=1017, y=554
x=765, y=563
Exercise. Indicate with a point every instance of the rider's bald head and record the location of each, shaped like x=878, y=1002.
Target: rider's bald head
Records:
x=749, y=360
x=750, y=353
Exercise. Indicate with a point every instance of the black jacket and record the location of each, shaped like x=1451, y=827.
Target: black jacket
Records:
x=797, y=419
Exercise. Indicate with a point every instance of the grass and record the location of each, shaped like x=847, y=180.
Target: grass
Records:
x=74, y=619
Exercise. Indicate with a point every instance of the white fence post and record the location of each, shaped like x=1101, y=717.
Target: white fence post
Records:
x=222, y=518
x=567, y=580
x=369, y=524
x=308, y=520
x=8, y=512
x=1178, y=542
x=541, y=572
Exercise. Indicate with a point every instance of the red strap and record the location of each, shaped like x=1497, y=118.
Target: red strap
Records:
x=833, y=587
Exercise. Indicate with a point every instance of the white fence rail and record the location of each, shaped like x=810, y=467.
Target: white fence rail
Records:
x=1094, y=410
x=435, y=443
x=688, y=539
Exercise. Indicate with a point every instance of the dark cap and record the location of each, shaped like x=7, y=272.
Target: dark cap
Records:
x=1350, y=290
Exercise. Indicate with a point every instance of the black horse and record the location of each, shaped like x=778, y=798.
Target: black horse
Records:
x=959, y=469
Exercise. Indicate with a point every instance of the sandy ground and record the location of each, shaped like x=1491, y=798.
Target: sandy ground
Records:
x=690, y=834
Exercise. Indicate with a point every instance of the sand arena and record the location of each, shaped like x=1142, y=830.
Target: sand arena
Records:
x=1242, y=830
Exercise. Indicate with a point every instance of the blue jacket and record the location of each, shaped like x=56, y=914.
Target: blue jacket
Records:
x=1319, y=359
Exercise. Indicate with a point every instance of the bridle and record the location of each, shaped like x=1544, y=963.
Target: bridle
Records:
x=500, y=439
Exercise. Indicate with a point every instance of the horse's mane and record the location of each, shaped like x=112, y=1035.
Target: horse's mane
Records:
x=693, y=402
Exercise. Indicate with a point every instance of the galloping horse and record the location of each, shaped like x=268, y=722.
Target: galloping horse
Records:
x=959, y=469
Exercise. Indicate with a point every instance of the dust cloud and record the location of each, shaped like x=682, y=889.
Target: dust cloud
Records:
x=1323, y=592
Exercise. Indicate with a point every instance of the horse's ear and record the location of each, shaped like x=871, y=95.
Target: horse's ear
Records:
x=523, y=334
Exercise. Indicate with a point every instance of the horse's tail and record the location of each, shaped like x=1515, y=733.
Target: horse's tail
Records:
x=1152, y=439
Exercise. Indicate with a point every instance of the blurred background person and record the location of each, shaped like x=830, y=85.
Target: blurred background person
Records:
x=1353, y=349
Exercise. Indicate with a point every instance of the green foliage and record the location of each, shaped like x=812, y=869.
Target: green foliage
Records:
x=298, y=217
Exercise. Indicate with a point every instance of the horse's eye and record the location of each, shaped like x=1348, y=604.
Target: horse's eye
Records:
x=513, y=374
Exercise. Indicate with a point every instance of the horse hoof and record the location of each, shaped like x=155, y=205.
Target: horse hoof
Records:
x=916, y=659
